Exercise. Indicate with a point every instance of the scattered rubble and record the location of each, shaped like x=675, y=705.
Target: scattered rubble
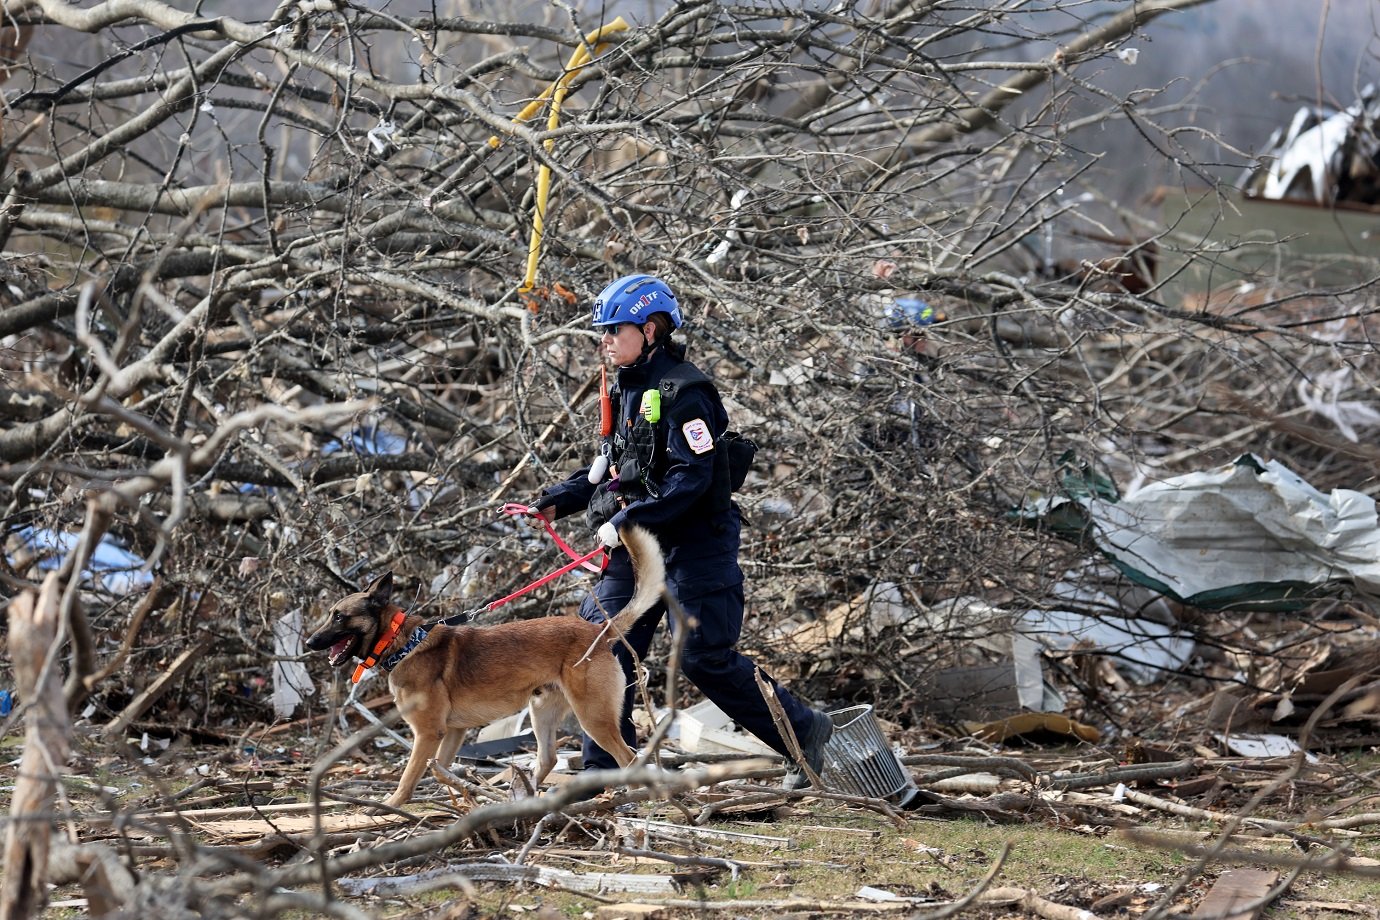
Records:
x=663, y=854
x=1251, y=534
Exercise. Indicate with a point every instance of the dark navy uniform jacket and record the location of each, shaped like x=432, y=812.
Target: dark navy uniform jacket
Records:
x=698, y=533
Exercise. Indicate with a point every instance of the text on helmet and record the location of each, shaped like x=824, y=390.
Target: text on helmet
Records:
x=644, y=301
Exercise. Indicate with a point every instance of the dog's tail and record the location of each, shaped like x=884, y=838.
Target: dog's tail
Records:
x=649, y=566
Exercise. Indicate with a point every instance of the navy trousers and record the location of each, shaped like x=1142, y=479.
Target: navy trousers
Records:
x=710, y=661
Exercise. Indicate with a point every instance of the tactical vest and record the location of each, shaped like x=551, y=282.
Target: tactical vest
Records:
x=639, y=451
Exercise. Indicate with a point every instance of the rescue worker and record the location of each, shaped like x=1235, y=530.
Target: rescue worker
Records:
x=667, y=470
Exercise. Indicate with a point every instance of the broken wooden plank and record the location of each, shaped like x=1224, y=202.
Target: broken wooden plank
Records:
x=305, y=825
x=666, y=828
x=460, y=874
x=1238, y=894
x=822, y=634
x=630, y=912
x=1202, y=814
x=210, y=814
x=286, y=820
x=302, y=825
x=1032, y=902
x=180, y=666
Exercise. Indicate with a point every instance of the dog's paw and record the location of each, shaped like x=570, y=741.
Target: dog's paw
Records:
x=389, y=806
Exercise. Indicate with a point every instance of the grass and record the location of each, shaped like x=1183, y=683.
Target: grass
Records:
x=835, y=851
x=939, y=859
x=954, y=855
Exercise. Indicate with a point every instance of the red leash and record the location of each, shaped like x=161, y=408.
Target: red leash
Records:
x=459, y=618
x=579, y=561
x=515, y=508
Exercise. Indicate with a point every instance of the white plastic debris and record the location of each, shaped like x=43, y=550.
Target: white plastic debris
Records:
x=706, y=727
x=1320, y=394
x=868, y=893
x=1263, y=746
x=732, y=236
x=291, y=681
x=381, y=136
x=507, y=727
x=1311, y=155
x=1319, y=154
x=793, y=375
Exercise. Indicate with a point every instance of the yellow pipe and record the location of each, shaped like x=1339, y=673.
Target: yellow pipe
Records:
x=556, y=92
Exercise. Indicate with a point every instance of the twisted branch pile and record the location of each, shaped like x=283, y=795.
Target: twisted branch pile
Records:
x=242, y=253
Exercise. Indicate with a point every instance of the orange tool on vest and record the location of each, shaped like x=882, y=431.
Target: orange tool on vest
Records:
x=605, y=404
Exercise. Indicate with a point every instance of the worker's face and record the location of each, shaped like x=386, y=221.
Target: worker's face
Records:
x=622, y=342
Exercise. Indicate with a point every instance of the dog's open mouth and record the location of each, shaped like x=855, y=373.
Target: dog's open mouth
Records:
x=343, y=650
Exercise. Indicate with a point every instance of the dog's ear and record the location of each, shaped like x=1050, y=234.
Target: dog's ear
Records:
x=380, y=590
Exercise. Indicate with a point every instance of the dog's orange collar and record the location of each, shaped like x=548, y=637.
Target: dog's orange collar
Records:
x=380, y=646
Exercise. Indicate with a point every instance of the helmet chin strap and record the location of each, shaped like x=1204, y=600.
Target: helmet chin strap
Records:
x=647, y=348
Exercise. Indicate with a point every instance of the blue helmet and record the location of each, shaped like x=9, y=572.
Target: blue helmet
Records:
x=633, y=298
x=909, y=313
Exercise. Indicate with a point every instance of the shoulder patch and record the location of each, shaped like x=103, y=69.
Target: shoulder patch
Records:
x=697, y=435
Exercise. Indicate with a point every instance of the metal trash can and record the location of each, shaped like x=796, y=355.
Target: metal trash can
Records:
x=859, y=761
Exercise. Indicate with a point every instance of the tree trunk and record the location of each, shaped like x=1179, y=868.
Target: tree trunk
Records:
x=33, y=623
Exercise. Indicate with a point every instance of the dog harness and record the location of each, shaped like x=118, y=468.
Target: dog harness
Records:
x=418, y=636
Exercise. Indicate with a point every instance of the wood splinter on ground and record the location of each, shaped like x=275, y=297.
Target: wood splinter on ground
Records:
x=1041, y=907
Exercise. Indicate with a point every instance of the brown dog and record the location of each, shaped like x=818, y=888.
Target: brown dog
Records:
x=448, y=679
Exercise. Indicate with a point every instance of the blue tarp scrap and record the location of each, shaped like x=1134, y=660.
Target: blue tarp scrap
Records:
x=114, y=567
x=367, y=439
